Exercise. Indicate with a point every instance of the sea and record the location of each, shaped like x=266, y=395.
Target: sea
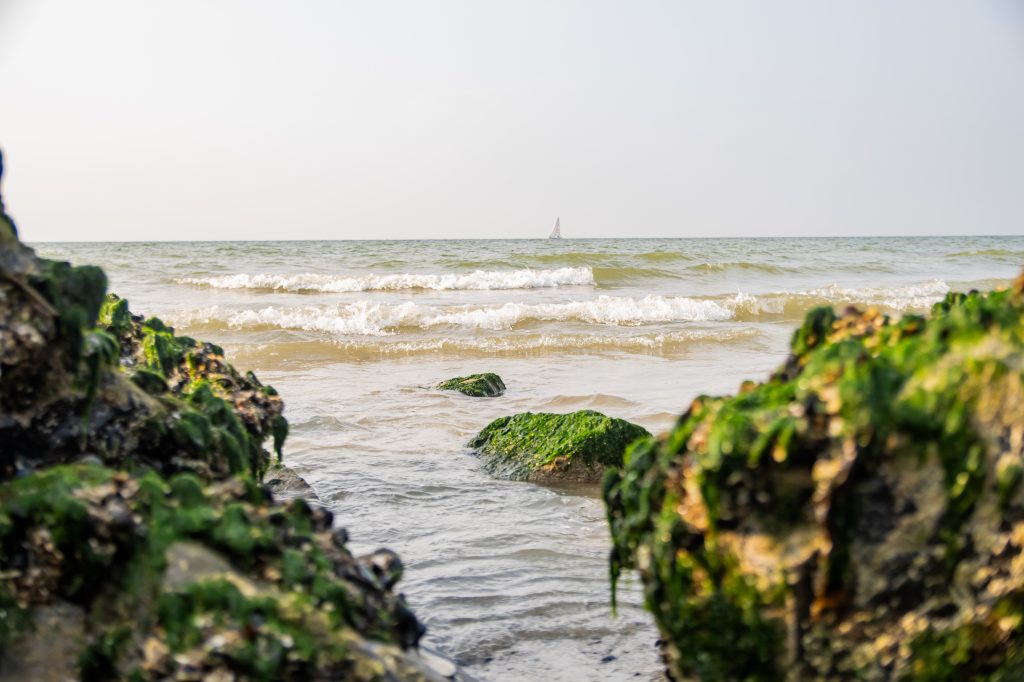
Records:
x=510, y=578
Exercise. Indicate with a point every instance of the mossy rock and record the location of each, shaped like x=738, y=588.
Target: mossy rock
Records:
x=92, y=379
x=853, y=517
x=175, y=576
x=549, y=448
x=487, y=385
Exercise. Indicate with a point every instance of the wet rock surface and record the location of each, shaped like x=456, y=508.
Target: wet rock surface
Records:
x=487, y=385
x=132, y=509
x=285, y=484
x=550, y=448
x=859, y=515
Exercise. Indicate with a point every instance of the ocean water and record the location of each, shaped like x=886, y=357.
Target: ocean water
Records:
x=510, y=578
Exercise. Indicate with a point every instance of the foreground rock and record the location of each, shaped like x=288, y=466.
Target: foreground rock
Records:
x=486, y=385
x=180, y=580
x=136, y=540
x=551, y=448
x=857, y=516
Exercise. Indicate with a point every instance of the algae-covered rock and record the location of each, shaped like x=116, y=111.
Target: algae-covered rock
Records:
x=857, y=516
x=180, y=578
x=84, y=377
x=136, y=541
x=547, y=448
x=487, y=385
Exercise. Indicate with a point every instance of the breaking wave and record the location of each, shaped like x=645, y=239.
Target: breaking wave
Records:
x=384, y=319
x=479, y=280
x=378, y=319
x=795, y=305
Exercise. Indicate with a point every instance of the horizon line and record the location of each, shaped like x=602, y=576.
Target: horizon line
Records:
x=509, y=239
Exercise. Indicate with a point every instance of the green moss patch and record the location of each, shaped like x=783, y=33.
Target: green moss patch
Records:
x=486, y=385
x=552, y=447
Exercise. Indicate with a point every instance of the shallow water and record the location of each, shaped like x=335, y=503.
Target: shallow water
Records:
x=511, y=578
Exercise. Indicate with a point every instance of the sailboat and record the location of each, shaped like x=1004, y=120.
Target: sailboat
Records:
x=557, y=232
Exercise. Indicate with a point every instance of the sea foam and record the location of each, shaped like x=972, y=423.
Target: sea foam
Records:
x=526, y=278
x=382, y=319
x=376, y=318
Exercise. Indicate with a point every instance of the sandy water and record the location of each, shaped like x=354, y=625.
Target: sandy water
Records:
x=510, y=578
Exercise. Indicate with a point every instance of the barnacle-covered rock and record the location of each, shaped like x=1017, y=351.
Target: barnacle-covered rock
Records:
x=857, y=516
x=548, y=448
x=487, y=385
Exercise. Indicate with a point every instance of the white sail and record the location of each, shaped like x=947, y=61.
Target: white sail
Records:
x=557, y=232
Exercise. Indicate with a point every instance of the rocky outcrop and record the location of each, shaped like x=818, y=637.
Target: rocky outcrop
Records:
x=136, y=538
x=859, y=515
x=487, y=385
x=181, y=580
x=174, y=404
x=549, y=448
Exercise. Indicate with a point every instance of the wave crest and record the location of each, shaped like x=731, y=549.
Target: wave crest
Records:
x=479, y=280
x=795, y=305
x=373, y=318
x=383, y=319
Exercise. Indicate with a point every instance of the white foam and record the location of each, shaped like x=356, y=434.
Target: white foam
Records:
x=900, y=298
x=369, y=318
x=479, y=280
x=383, y=319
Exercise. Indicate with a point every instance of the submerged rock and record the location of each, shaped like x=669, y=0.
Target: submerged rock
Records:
x=857, y=516
x=131, y=509
x=285, y=484
x=548, y=448
x=487, y=385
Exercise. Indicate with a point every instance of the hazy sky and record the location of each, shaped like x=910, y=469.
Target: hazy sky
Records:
x=260, y=119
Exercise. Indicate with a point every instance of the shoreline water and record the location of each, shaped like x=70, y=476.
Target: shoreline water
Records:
x=510, y=578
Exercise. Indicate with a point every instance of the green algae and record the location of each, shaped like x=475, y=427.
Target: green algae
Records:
x=104, y=538
x=535, y=446
x=782, y=510
x=202, y=415
x=115, y=316
x=487, y=385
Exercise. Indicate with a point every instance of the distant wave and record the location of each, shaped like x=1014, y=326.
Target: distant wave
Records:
x=622, y=275
x=739, y=265
x=995, y=253
x=479, y=280
x=663, y=256
x=609, y=260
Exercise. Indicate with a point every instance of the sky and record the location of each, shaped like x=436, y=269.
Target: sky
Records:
x=321, y=119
